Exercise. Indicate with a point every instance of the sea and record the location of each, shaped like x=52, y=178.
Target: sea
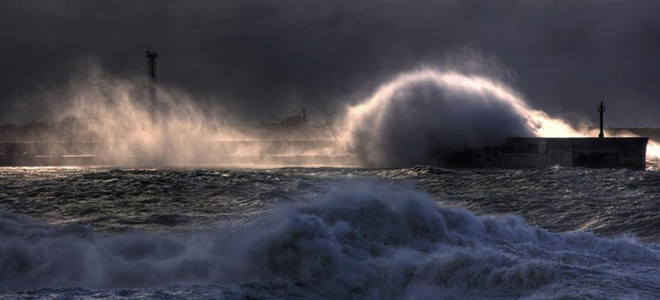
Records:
x=329, y=233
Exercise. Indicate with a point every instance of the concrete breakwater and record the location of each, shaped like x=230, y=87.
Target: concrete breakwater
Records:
x=615, y=152
x=217, y=153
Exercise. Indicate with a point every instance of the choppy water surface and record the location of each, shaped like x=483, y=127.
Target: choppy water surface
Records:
x=419, y=232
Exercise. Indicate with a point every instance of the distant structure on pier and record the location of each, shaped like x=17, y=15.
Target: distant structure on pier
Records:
x=153, y=98
x=295, y=120
x=601, y=110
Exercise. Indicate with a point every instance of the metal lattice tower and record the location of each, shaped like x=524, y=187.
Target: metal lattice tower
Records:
x=601, y=110
x=151, y=69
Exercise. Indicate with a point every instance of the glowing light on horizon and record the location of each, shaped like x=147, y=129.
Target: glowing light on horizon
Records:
x=653, y=152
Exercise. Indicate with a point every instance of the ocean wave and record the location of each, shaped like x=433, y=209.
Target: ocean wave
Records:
x=364, y=239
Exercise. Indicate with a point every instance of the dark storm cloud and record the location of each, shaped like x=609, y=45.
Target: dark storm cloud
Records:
x=270, y=58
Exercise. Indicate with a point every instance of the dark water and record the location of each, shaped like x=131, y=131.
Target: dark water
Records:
x=411, y=233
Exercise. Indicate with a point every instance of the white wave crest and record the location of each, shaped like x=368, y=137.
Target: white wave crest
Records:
x=363, y=240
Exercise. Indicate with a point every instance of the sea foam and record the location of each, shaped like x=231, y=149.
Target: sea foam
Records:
x=364, y=239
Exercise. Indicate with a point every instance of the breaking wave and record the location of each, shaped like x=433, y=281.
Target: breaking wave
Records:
x=431, y=111
x=405, y=122
x=365, y=240
x=426, y=111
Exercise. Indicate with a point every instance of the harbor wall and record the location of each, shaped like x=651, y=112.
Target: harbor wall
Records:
x=615, y=152
x=628, y=152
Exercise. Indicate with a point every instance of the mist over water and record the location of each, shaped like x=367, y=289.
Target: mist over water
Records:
x=115, y=112
x=404, y=122
x=108, y=111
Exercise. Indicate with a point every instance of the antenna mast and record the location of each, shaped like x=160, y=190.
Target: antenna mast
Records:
x=601, y=110
x=151, y=69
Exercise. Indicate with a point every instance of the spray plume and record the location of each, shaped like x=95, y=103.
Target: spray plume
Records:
x=429, y=110
x=112, y=112
x=418, y=113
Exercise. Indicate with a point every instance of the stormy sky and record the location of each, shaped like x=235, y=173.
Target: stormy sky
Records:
x=267, y=59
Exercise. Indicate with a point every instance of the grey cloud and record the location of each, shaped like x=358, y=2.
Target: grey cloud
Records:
x=266, y=59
